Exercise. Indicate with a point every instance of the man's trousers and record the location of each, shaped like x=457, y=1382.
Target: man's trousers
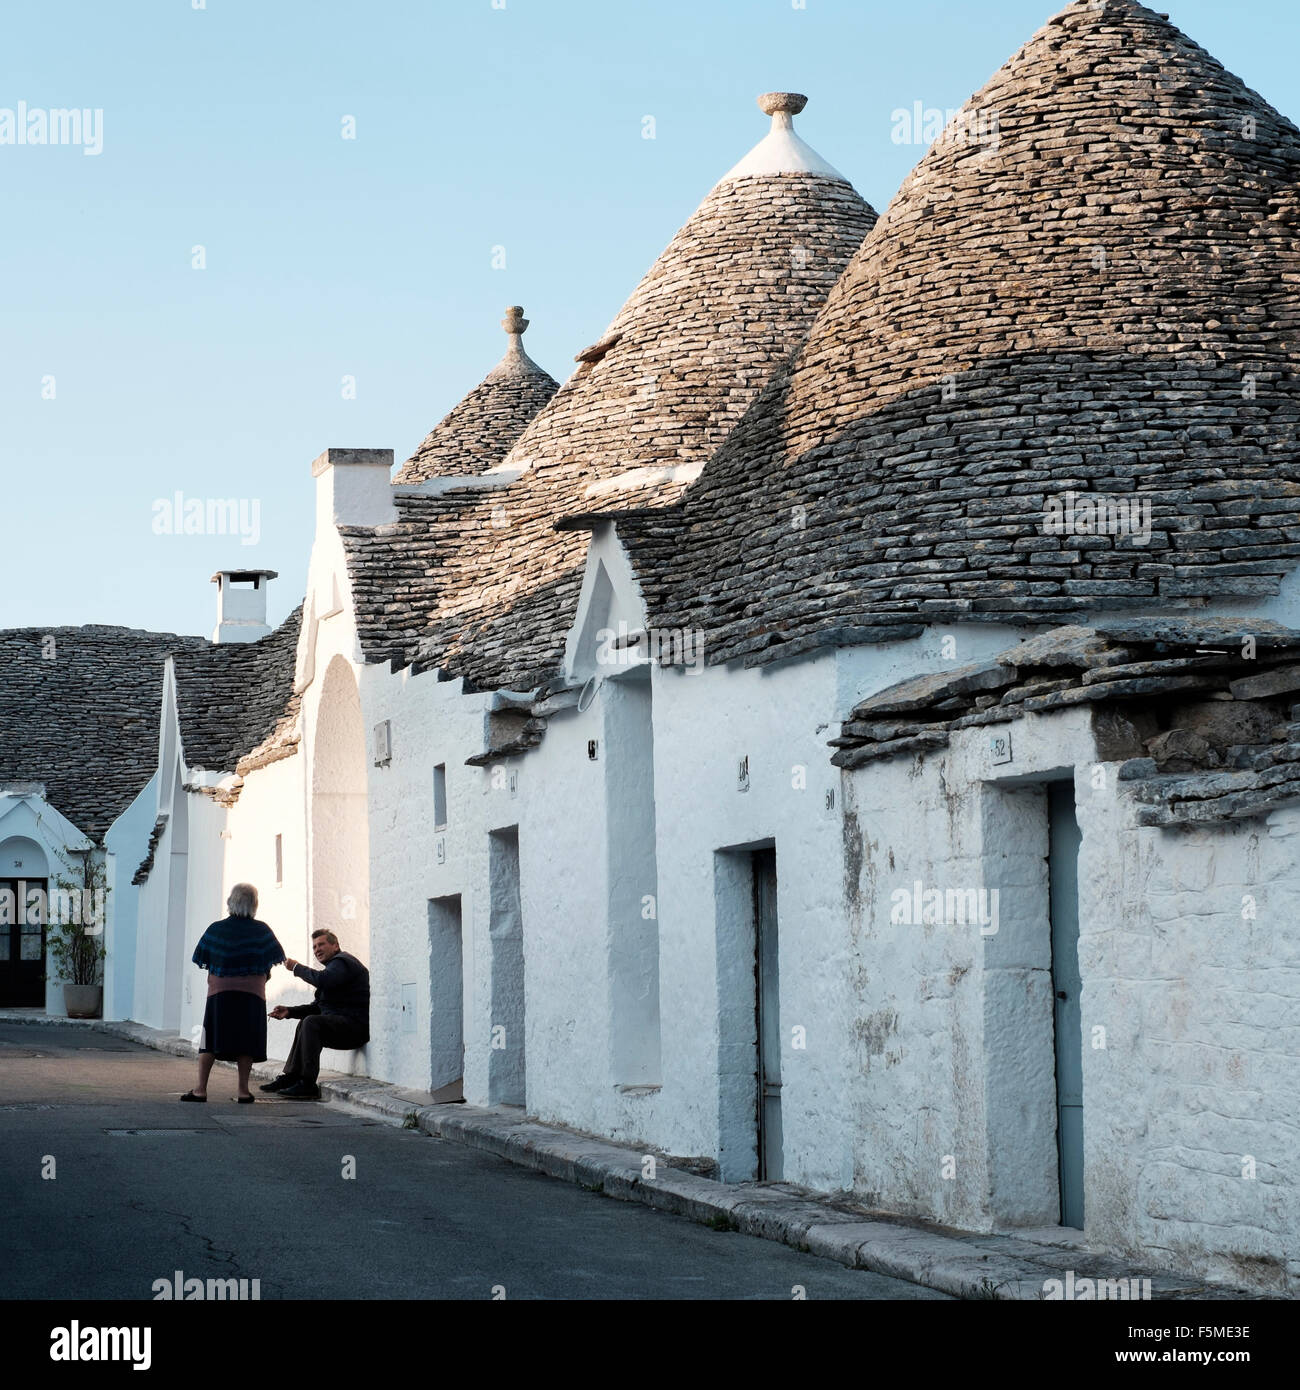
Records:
x=315, y=1032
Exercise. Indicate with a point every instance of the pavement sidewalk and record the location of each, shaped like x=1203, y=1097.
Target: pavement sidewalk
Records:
x=964, y=1264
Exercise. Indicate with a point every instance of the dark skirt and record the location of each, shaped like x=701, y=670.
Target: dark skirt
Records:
x=234, y=1025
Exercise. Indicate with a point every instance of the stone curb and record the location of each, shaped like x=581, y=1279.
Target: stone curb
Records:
x=995, y=1267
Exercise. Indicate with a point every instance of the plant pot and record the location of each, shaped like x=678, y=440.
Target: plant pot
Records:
x=83, y=1001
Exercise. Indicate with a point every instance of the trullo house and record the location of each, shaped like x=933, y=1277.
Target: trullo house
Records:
x=849, y=732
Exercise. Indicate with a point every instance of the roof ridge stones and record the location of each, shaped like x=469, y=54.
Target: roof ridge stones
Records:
x=1215, y=737
x=1097, y=291
x=475, y=434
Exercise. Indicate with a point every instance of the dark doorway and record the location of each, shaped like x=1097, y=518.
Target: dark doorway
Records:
x=767, y=991
x=22, y=942
x=1064, y=840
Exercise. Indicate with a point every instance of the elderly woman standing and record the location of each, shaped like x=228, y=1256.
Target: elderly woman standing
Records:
x=238, y=953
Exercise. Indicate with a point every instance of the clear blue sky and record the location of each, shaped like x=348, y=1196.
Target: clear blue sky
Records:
x=475, y=127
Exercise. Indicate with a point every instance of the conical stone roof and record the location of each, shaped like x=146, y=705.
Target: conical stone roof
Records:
x=477, y=433
x=236, y=702
x=79, y=710
x=481, y=583
x=723, y=306
x=1091, y=285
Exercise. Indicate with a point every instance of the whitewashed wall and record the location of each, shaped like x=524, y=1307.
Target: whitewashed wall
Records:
x=575, y=842
x=575, y=1072
x=780, y=719
x=952, y=1072
x=126, y=841
x=431, y=723
x=273, y=802
x=237, y=845
x=205, y=902
x=1190, y=961
x=162, y=901
x=924, y=1078
x=152, y=900
x=1185, y=1005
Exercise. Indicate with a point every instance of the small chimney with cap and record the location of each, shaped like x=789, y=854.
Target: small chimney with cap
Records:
x=353, y=488
x=241, y=605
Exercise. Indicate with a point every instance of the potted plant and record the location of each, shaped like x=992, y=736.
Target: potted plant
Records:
x=77, y=936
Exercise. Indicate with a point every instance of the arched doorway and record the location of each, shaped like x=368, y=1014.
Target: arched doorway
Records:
x=340, y=832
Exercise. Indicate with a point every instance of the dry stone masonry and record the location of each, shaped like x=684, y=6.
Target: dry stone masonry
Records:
x=1100, y=301
x=476, y=434
x=1205, y=714
x=481, y=584
x=79, y=710
x=236, y=702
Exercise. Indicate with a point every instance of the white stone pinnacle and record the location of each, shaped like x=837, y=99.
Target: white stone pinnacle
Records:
x=781, y=151
x=516, y=359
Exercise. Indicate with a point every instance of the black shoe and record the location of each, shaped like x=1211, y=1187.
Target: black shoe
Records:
x=281, y=1082
x=301, y=1090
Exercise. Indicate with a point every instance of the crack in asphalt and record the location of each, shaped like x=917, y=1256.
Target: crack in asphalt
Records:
x=215, y=1253
x=213, y=1249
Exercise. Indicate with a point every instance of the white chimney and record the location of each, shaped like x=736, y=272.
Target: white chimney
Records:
x=354, y=488
x=241, y=605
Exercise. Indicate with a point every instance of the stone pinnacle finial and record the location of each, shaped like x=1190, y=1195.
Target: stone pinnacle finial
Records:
x=782, y=103
x=516, y=359
x=781, y=151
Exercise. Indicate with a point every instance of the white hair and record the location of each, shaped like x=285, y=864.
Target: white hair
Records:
x=242, y=901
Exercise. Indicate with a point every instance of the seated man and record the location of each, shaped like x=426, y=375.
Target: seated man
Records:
x=340, y=1017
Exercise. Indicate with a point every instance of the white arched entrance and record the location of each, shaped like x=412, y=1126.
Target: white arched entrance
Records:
x=340, y=835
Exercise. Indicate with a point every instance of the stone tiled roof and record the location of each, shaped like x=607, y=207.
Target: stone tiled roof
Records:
x=236, y=701
x=1101, y=297
x=1204, y=713
x=481, y=583
x=477, y=433
x=79, y=711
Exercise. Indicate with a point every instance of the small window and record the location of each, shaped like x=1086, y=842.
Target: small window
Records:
x=440, y=796
x=279, y=860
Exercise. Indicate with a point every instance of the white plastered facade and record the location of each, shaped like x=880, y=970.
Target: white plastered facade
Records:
x=572, y=934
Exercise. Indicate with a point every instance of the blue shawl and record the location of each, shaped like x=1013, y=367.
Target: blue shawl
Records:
x=238, y=946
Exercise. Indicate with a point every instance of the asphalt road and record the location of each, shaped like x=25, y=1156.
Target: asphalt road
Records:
x=144, y=1186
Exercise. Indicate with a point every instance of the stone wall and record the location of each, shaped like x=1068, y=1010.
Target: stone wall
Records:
x=1185, y=1007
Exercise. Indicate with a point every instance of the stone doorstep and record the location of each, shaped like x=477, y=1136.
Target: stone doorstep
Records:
x=40, y=1016
x=974, y=1266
